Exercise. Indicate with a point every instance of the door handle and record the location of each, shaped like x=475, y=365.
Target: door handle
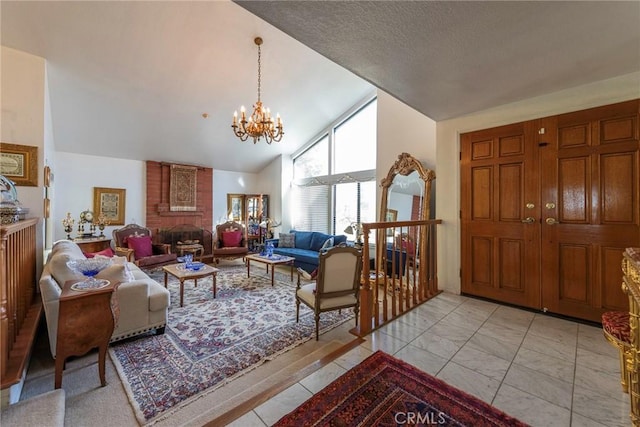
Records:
x=551, y=221
x=529, y=220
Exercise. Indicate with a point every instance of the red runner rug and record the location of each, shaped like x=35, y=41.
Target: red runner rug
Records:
x=385, y=391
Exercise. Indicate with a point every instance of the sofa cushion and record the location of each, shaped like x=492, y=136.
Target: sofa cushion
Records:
x=317, y=241
x=61, y=271
x=116, y=273
x=338, y=239
x=303, y=239
x=231, y=238
x=141, y=246
x=287, y=240
x=108, y=252
x=328, y=244
x=303, y=255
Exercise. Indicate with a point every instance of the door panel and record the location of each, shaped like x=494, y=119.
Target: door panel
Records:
x=591, y=172
x=548, y=207
x=500, y=251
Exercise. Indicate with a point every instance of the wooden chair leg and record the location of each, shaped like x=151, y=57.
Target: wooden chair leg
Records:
x=317, y=326
x=297, y=310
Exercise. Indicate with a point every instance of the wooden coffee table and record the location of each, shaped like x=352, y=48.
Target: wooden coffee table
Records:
x=270, y=261
x=182, y=273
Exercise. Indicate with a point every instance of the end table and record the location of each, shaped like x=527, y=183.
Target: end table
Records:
x=86, y=320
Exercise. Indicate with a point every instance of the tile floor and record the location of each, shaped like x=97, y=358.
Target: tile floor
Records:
x=543, y=370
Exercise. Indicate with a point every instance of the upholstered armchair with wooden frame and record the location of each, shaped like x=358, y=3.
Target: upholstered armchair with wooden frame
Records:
x=337, y=284
x=134, y=242
x=230, y=241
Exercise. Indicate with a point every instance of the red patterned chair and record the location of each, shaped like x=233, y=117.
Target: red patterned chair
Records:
x=230, y=241
x=134, y=242
x=617, y=331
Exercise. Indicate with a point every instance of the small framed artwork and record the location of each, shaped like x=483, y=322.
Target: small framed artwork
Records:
x=235, y=206
x=392, y=216
x=109, y=202
x=19, y=163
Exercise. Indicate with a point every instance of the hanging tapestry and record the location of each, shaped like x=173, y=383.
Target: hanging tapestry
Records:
x=182, y=192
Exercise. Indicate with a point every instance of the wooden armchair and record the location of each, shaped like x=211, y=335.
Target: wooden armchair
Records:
x=134, y=242
x=230, y=241
x=337, y=283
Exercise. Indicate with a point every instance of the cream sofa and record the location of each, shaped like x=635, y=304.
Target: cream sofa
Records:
x=143, y=302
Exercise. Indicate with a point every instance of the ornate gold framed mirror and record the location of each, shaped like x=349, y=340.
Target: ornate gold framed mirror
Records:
x=406, y=190
x=406, y=196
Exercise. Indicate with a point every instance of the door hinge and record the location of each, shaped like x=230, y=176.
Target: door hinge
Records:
x=461, y=273
x=460, y=155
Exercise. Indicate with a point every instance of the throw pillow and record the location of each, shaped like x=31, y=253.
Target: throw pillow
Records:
x=328, y=244
x=287, y=240
x=141, y=246
x=116, y=273
x=231, y=239
x=108, y=252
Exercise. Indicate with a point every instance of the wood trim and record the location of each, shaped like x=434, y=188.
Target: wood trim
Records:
x=259, y=399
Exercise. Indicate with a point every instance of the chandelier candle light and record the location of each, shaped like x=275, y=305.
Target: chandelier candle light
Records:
x=260, y=123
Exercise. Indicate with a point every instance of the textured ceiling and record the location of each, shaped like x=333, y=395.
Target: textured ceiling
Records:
x=131, y=79
x=450, y=58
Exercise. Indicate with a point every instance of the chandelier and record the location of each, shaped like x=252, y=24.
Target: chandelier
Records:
x=260, y=123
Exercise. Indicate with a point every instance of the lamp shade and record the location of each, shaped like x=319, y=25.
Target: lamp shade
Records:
x=349, y=230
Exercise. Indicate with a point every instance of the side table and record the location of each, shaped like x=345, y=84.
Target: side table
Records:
x=86, y=320
x=196, y=249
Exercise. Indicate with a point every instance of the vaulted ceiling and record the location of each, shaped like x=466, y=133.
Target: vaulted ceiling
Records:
x=133, y=79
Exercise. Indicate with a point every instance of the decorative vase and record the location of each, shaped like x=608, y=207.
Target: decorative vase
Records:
x=269, y=249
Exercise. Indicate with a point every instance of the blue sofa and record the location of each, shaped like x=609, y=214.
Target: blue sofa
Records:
x=307, y=247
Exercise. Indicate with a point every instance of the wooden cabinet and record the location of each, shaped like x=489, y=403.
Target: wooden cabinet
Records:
x=86, y=320
x=93, y=244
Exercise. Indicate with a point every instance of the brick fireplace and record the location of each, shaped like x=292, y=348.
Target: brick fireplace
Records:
x=159, y=215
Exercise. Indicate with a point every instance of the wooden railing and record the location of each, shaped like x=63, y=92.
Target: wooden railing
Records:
x=20, y=308
x=400, y=260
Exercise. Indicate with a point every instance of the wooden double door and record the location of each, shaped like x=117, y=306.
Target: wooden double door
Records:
x=548, y=207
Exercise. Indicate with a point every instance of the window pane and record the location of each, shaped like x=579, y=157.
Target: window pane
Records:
x=311, y=208
x=346, y=207
x=314, y=161
x=355, y=141
x=368, y=207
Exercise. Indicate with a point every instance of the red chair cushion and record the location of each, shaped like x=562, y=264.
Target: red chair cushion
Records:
x=616, y=324
x=141, y=246
x=231, y=238
x=108, y=252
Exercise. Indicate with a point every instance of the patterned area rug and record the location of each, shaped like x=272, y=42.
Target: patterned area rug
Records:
x=209, y=342
x=385, y=391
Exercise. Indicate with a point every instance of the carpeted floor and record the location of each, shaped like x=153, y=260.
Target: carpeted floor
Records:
x=209, y=342
x=384, y=391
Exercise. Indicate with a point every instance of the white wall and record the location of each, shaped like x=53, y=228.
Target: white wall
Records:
x=230, y=182
x=22, y=121
x=77, y=174
x=23, y=105
x=402, y=129
x=269, y=183
x=447, y=158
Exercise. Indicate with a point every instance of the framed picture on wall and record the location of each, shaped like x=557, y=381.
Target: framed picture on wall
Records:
x=19, y=163
x=235, y=206
x=109, y=202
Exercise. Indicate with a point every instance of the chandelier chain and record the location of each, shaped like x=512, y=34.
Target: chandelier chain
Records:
x=259, y=73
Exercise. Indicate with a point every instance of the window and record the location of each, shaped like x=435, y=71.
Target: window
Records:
x=334, y=178
x=314, y=161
